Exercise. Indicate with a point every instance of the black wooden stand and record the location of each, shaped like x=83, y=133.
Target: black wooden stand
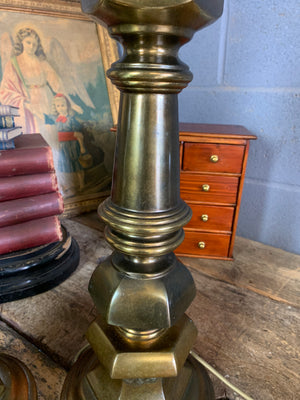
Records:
x=32, y=271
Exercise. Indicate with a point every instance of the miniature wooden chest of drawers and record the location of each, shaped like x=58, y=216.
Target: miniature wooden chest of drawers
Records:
x=213, y=162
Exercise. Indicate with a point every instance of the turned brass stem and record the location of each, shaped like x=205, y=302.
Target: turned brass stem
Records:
x=142, y=337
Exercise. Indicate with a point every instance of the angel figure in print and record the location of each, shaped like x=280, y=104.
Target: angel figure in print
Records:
x=31, y=78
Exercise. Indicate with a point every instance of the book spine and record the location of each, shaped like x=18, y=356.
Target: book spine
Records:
x=26, y=161
x=16, y=187
x=7, y=121
x=10, y=133
x=8, y=110
x=21, y=210
x=7, y=145
x=30, y=234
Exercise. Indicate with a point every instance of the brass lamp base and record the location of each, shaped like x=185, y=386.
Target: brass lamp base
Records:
x=16, y=381
x=142, y=339
x=89, y=380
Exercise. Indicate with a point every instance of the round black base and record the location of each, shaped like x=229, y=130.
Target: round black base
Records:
x=32, y=271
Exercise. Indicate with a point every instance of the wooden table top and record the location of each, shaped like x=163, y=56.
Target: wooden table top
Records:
x=246, y=312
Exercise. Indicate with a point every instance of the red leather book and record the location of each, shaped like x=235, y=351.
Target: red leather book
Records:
x=31, y=155
x=16, y=187
x=30, y=234
x=25, y=209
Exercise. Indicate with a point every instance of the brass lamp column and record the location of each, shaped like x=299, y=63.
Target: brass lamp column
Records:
x=141, y=341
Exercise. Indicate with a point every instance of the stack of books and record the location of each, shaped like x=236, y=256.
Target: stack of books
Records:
x=29, y=198
x=8, y=129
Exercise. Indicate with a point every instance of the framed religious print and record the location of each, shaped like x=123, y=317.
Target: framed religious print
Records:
x=53, y=60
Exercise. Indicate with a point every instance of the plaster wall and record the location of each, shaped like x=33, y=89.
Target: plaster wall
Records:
x=246, y=72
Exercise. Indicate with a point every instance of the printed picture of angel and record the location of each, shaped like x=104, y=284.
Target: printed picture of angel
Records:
x=52, y=70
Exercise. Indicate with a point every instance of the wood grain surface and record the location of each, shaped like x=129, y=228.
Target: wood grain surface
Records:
x=246, y=312
x=197, y=158
x=48, y=375
x=58, y=319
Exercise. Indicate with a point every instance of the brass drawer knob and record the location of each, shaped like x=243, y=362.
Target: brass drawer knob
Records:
x=204, y=217
x=205, y=188
x=201, y=245
x=214, y=158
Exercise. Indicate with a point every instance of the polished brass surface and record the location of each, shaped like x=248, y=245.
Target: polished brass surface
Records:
x=214, y=158
x=204, y=217
x=125, y=225
x=16, y=381
x=201, y=245
x=83, y=383
x=205, y=188
x=141, y=341
x=170, y=14
x=126, y=358
x=117, y=288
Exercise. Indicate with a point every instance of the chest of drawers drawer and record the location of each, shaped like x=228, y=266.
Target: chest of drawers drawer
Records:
x=213, y=162
x=207, y=244
x=210, y=157
x=211, y=218
x=209, y=188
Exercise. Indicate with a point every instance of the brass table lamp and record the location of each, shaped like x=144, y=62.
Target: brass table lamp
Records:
x=141, y=341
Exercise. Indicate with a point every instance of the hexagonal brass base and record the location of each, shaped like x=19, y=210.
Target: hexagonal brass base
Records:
x=88, y=380
x=125, y=358
x=16, y=381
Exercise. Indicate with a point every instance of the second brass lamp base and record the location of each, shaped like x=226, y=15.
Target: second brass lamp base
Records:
x=16, y=381
x=141, y=341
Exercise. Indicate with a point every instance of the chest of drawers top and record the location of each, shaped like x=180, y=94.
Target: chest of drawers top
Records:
x=210, y=131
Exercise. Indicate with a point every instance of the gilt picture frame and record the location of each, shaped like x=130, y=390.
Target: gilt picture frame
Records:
x=76, y=54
